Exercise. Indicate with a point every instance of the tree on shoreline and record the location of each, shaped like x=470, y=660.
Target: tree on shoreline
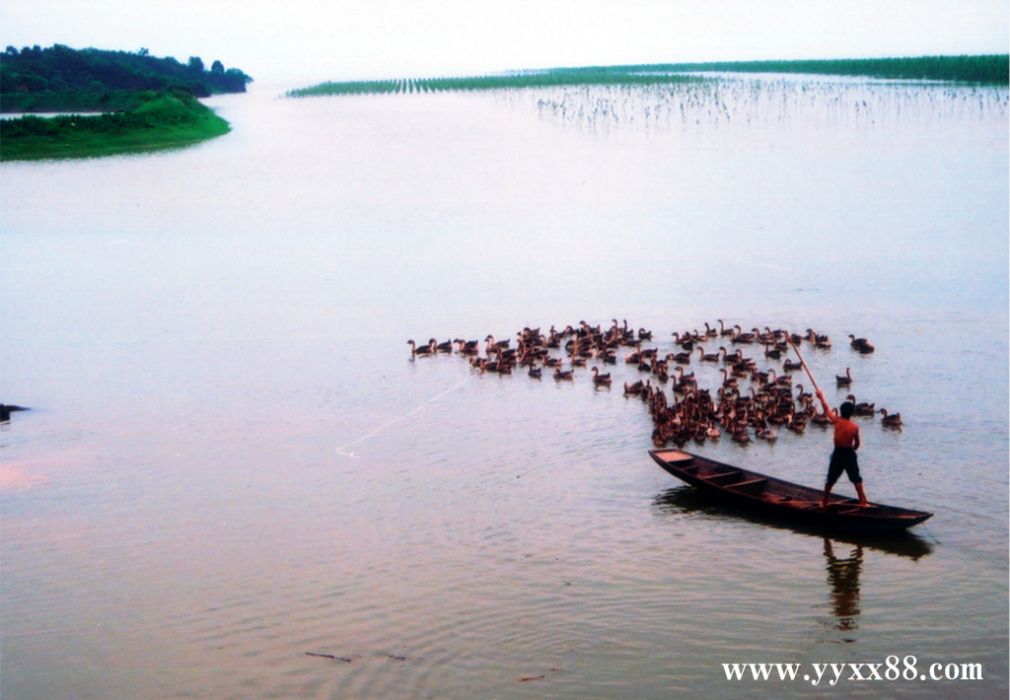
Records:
x=60, y=69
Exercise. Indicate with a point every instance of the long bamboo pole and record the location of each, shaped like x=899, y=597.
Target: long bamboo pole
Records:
x=804, y=363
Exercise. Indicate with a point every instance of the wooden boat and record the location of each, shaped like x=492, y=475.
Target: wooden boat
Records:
x=783, y=499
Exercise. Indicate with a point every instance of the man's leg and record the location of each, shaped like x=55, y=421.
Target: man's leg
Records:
x=853, y=471
x=827, y=492
x=862, y=494
x=834, y=471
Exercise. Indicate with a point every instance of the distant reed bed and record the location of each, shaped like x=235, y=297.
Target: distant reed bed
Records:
x=527, y=79
x=990, y=68
x=987, y=69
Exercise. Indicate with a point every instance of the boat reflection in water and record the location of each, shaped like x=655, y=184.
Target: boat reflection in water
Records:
x=843, y=567
x=687, y=500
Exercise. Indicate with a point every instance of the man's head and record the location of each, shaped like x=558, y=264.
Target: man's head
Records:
x=846, y=409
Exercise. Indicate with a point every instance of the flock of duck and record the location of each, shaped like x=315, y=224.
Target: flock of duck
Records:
x=747, y=402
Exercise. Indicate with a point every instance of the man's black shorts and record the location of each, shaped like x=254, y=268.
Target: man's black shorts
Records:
x=843, y=459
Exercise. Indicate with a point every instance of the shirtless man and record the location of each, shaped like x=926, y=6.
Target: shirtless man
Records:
x=844, y=456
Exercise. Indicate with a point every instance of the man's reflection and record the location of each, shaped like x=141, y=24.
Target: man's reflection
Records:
x=843, y=577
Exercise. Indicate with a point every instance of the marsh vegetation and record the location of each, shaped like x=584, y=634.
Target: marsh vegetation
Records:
x=749, y=101
x=987, y=69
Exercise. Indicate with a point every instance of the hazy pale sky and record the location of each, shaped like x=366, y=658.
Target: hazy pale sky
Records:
x=309, y=40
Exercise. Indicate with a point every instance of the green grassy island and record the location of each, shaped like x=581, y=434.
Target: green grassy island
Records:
x=144, y=103
x=159, y=121
x=983, y=70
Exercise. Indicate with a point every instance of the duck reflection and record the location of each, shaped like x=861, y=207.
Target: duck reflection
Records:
x=843, y=578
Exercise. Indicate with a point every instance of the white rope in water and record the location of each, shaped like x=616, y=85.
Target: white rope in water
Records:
x=342, y=450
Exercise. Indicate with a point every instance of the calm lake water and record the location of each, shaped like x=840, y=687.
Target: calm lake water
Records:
x=232, y=462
